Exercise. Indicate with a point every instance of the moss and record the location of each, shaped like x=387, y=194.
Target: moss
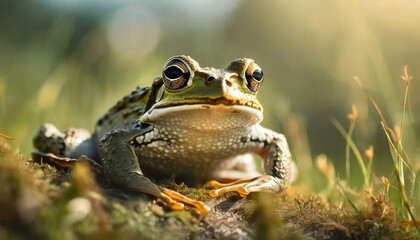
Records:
x=200, y=194
x=320, y=219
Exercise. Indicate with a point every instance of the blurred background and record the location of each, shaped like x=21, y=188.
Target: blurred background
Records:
x=67, y=62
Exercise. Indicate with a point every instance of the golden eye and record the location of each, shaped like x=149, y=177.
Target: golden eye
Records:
x=176, y=75
x=254, y=77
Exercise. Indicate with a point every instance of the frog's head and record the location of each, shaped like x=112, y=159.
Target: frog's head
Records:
x=186, y=88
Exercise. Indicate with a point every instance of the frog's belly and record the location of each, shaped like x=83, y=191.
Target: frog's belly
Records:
x=193, y=155
x=192, y=141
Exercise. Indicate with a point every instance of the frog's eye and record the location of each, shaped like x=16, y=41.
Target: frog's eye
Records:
x=176, y=75
x=254, y=77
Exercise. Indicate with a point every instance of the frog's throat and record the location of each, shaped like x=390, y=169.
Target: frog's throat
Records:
x=250, y=115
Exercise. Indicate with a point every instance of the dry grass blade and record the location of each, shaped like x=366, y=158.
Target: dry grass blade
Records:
x=7, y=137
x=391, y=143
x=393, y=136
x=356, y=78
x=410, y=222
x=385, y=125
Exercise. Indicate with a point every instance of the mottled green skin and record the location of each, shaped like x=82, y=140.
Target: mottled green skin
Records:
x=124, y=113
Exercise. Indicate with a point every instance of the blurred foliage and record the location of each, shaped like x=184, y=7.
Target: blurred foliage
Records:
x=67, y=62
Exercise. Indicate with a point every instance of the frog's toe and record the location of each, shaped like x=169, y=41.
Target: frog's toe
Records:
x=266, y=183
x=213, y=184
x=216, y=184
x=220, y=191
x=222, y=188
x=181, y=199
x=244, y=187
x=174, y=205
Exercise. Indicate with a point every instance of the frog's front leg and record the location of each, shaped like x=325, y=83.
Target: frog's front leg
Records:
x=273, y=149
x=123, y=167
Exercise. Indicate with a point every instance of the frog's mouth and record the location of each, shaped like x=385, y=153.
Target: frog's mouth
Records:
x=209, y=101
x=211, y=113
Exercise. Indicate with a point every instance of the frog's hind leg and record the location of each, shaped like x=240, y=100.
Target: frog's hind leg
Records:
x=65, y=162
x=277, y=165
x=64, y=148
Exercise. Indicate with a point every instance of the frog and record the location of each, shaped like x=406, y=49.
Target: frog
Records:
x=196, y=124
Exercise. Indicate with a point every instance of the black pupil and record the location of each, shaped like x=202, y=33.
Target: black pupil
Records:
x=257, y=74
x=173, y=72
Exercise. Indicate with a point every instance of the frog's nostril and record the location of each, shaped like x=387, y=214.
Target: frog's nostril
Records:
x=210, y=79
x=228, y=82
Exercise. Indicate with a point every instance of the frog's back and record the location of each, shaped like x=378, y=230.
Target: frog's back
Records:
x=124, y=113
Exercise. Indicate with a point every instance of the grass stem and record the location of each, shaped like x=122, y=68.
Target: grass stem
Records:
x=351, y=128
x=355, y=150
